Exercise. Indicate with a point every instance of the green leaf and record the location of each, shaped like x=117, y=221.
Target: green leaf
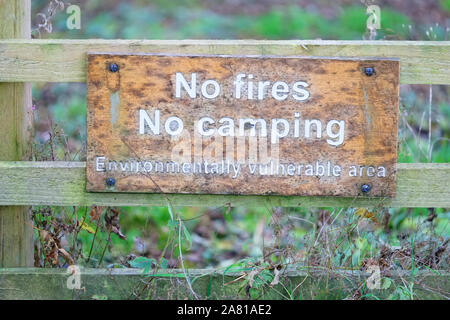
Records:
x=167, y=275
x=386, y=283
x=171, y=212
x=163, y=264
x=143, y=263
x=187, y=236
x=355, y=257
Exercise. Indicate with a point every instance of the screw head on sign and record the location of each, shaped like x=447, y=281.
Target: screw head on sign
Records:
x=110, y=182
x=369, y=71
x=113, y=67
x=365, y=188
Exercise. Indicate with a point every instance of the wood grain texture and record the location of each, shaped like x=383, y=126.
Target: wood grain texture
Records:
x=16, y=235
x=421, y=62
x=64, y=184
x=300, y=163
x=115, y=284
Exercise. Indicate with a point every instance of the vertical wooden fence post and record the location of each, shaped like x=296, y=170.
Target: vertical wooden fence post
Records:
x=16, y=234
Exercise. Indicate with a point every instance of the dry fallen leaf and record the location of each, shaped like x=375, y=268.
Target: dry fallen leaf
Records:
x=95, y=212
x=84, y=226
x=45, y=235
x=276, y=278
x=364, y=213
x=66, y=256
x=112, y=222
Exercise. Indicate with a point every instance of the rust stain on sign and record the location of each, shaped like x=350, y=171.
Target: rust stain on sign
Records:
x=242, y=125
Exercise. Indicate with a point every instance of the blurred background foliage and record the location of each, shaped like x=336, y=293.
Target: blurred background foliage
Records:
x=222, y=236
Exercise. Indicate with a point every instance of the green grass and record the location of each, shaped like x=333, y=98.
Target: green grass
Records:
x=445, y=5
x=165, y=20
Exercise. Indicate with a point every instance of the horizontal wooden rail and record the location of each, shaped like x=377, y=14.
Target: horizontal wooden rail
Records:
x=34, y=283
x=63, y=184
x=421, y=62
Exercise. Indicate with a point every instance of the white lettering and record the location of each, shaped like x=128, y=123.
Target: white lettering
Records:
x=174, y=126
x=216, y=90
x=180, y=80
x=144, y=119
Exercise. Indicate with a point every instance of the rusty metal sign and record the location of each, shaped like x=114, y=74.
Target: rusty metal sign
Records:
x=242, y=125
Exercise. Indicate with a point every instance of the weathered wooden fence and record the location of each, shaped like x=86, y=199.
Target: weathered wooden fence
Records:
x=24, y=183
